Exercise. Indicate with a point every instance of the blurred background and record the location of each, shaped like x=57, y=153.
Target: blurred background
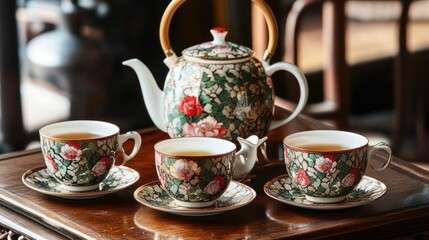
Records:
x=367, y=62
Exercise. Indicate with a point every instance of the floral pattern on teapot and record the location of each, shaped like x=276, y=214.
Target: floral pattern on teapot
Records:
x=232, y=87
x=213, y=100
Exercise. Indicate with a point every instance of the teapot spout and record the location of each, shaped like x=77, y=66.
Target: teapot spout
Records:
x=246, y=158
x=152, y=94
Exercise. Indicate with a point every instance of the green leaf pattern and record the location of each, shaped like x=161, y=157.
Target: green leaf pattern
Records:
x=196, y=178
x=239, y=97
x=79, y=171
x=345, y=174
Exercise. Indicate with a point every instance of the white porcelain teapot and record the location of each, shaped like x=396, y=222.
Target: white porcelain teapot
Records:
x=217, y=88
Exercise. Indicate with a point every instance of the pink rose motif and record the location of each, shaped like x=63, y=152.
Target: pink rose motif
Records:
x=270, y=82
x=162, y=179
x=190, y=106
x=158, y=158
x=101, y=167
x=325, y=163
x=301, y=178
x=50, y=164
x=181, y=170
x=207, y=45
x=216, y=185
x=221, y=49
x=158, y=163
x=351, y=178
x=71, y=151
x=207, y=127
x=287, y=158
x=189, y=129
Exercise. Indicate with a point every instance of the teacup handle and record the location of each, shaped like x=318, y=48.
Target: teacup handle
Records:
x=379, y=146
x=137, y=143
x=303, y=89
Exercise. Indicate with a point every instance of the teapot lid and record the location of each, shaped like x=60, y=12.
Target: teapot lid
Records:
x=217, y=49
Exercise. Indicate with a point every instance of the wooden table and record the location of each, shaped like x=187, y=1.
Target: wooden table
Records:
x=402, y=211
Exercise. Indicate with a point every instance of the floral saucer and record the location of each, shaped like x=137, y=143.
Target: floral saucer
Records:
x=281, y=189
x=120, y=177
x=154, y=196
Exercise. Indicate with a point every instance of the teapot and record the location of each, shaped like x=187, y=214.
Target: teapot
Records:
x=217, y=88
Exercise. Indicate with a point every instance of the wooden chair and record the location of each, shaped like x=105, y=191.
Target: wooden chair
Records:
x=336, y=103
x=408, y=91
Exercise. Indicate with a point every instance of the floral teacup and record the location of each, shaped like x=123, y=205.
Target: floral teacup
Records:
x=80, y=154
x=195, y=171
x=326, y=165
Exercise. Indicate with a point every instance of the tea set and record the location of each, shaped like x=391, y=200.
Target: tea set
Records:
x=215, y=94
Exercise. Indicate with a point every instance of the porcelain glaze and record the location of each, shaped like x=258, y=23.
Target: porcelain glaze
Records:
x=282, y=189
x=154, y=196
x=216, y=88
x=199, y=180
x=40, y=180
x=328, y=175
x=81, y=164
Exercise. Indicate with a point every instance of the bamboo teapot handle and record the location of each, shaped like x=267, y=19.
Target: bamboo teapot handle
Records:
x=175, y=4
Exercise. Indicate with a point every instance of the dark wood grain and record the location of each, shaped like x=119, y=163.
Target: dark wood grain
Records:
x=404, y=209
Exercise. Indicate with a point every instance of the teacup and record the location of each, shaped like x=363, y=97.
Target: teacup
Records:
x=79, y=154
x=195, y=171
x=326, y=165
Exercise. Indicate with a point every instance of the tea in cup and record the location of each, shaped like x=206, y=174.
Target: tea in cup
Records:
x=195, y=171
x=80, y=154
x=326, y=165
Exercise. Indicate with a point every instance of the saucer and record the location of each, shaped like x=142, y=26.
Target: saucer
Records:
x=281, y=189
x=120, y=177
x=154, y=196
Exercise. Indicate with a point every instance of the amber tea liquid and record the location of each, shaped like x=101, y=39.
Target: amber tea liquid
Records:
x=192, y=153
x=78, y=136
x=322, y=147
